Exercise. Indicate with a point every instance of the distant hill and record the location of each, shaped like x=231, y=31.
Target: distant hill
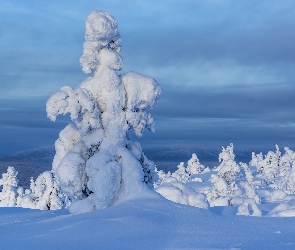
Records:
x=167, y=158
x=28, y=163
x=33, y=162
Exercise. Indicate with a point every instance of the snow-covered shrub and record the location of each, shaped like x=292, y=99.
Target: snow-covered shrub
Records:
x=194, y=166
x=248, y=173
x=244, y=208
x=180, y=193
x=181, y=174
x=162, y=177
x=274, y=170
x=44, y=193
x=218, y=195
x=249, y=191
x=284, y=209
x=248, y=188
x=269, y=166
x=228, y=168
x=291, y=180
x=224, y=183
x=95, y=160
x=10, y=192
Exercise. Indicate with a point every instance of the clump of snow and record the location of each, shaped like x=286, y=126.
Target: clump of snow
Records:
x=244, y=208
x=101, y=32
x=180, y=193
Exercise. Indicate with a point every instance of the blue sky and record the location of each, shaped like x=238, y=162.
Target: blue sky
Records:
x=226, y=68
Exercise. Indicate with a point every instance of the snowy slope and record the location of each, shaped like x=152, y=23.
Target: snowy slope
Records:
x=167, y=158
x=151, y=223
x=148, y=223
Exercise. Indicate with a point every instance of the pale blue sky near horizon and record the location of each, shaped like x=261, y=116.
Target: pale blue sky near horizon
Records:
x=226, y=68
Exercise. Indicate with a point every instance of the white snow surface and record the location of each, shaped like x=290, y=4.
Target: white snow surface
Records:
x=147, y=223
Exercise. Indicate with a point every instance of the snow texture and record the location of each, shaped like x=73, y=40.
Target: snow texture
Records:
x=167, y=225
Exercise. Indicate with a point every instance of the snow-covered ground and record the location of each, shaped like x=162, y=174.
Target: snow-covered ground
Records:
x=145, y=223
x=148, y=223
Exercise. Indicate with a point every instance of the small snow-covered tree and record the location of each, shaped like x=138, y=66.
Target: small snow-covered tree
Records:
x=286, y=161
x=95, y=160
x=9, y=183
x=218, y=194
x=274, y=169
x=194, y=166
x=255, y=159
x=291, y=181
x=161, y=177
x=228, y=168
x=223, y=185
x=44, y=193
x=248, y=173
x=270, y=165
x=249, y=191
x=181, y=174
x=289, y=162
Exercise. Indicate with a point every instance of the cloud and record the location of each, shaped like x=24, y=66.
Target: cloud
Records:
x=226, y=67
x=261, y=102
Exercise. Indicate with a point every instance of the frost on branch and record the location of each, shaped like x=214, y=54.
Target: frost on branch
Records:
x=97, y=165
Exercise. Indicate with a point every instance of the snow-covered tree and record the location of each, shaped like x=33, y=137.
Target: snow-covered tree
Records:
x=223, y=185
x=194, y=166
x=9, y=183
x=248, y=173
x=218, y=194
x=249, y=191
x=228, y=168
x=44, y=193
x=270, y=165
x=181, y=174
x=95, y=160
x=274, y=170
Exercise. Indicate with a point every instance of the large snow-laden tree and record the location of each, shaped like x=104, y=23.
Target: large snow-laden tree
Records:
x=96, y=162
